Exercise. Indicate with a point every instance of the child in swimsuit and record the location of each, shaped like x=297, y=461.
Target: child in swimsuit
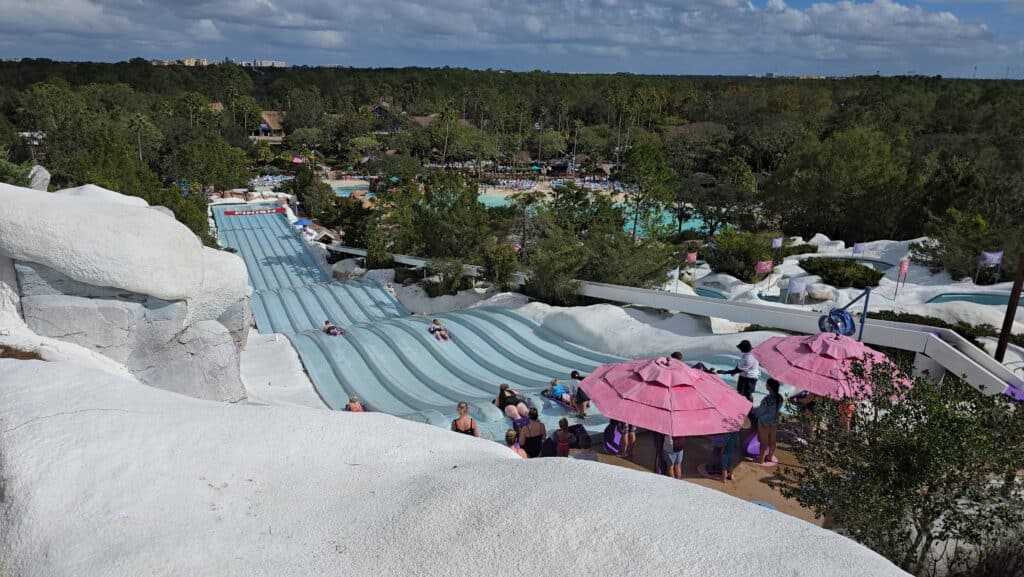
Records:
x=438, y=330
x=557, y=392
x=563, y=438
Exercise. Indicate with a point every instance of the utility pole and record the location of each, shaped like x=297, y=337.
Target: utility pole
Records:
x=1011, y=310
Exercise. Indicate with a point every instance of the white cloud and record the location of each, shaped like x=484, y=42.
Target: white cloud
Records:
x=604, y=34
x=205, y=29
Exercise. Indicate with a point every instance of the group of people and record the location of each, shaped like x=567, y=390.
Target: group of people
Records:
x=527, y=435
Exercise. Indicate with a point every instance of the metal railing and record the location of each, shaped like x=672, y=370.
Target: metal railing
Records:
x=947, y=348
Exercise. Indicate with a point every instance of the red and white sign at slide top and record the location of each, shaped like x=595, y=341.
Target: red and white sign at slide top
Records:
x=253, y=211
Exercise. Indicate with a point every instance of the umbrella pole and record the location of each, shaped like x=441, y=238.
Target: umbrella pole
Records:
x=864, y=315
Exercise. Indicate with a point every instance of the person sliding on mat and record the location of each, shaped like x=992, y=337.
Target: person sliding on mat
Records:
x=438, y=330
x=331, y=329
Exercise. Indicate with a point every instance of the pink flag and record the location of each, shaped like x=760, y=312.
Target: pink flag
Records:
x=691, y=258
x=904, y=266
x=764, y=266
x=777, y=242
x=858, y=248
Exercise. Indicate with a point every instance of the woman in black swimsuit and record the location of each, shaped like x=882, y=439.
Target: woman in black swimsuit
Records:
x=509, y=401
x=531, y=436
x=464, y=423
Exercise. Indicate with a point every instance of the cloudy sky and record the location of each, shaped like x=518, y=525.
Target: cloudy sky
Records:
x=949, y=37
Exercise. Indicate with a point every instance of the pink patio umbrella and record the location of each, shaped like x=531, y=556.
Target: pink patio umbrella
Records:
x=666, y=396
x=819, y=364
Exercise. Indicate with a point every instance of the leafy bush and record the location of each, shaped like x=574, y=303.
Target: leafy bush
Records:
x=404, y=275
x=500, y=265
x=780, y=254
x=737, y=253
x=955, y=242
x=554, y=266
x=842, y=272
x=377, y=254
x=934, y=463
x=451, y=278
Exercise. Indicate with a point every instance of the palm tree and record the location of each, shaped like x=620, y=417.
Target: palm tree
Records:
x=137, y=123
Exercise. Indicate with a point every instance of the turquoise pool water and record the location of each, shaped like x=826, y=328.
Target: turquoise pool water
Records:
x=348, y=189
x=995, y=299
x=704, y=292
x=668, y=218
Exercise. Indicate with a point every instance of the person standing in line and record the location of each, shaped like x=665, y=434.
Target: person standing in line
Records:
x=464, y=423
x=672, y=454
x=531, y=436
x=563, y=438
x=768, y=422
x=580, y=397
x=749, y=370
x=512, y=440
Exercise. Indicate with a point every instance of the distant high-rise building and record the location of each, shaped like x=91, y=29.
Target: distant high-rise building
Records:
x=268, y=64
x=191, y=62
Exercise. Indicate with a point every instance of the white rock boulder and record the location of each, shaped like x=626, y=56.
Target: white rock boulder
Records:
x=100, y=194
x=39, y=178
x=824, y=244
x=149, y=336
x=130, y=247
x=106, y=477
x=820, y=291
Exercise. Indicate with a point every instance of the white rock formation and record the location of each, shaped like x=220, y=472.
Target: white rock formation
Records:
x=129, y=283
x=824, y=244
x=100, y=194
x=106, y=477
x=129, y=247
x=820, y=291
x=39, y=178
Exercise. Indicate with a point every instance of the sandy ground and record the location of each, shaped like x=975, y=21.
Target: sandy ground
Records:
x=751, y=482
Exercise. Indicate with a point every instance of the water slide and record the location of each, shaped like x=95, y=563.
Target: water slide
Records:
x=386, y=356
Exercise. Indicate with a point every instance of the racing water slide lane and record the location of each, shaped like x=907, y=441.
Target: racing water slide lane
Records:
x=387, y=357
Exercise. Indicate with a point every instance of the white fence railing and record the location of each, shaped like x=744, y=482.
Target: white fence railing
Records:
x=945, y=347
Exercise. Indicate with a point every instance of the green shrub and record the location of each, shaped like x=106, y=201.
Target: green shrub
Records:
x=842, y=272
x=779, y=254
x=377, y=254
x=405, y=274
x=500, y=265
x=737, y=253
x=451, y=278
x=955, y=242
x=554, y=266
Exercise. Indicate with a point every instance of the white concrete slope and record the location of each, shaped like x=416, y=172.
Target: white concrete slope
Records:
x=105, y=477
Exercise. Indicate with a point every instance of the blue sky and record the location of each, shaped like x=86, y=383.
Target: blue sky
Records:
x=824, y=37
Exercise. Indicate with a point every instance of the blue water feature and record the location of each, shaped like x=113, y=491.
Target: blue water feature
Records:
x=994, y=299
x=347, y=189
x=668, y=217
x=386, y=356
x=705, y=292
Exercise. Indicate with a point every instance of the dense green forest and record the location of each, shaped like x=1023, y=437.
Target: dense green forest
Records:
x=857, y=159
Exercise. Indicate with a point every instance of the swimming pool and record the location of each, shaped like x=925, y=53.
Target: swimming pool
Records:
x=668, y=218
x=346, y=190
x=704, y=292
x=493, y=200
x=994, y=299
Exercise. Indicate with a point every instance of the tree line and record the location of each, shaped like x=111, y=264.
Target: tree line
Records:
x=858, y=159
